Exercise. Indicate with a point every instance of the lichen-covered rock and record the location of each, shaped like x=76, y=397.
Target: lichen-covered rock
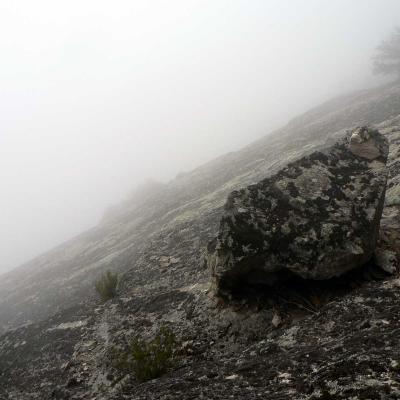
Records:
x=317, y=218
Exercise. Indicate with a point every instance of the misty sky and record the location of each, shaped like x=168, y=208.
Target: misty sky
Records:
x=97, y=96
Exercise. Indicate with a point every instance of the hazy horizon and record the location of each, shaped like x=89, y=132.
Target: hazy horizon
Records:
x=97, y=98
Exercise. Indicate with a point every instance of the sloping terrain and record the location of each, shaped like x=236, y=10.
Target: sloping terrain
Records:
x=346, y=346
x=183, y=212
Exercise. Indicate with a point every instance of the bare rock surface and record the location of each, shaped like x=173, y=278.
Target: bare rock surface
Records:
x=317, y=218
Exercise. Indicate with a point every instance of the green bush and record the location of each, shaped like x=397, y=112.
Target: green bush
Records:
x=106, y=286
x=147, y=360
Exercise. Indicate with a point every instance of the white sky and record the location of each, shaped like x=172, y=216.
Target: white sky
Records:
x=96, y=96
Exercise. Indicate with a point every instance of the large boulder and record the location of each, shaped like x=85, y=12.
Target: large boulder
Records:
x=316, y=219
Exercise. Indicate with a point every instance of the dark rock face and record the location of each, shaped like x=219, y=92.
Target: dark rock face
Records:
x=317, y=218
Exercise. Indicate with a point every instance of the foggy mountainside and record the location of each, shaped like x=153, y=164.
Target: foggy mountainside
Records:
x=200, y=200
x=335, y=341
x=179, y=219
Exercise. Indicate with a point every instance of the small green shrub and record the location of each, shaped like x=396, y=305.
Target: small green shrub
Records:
x=147, y=360
x=106, y=286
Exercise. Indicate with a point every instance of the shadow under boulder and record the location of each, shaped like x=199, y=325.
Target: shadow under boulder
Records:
x=316, y=219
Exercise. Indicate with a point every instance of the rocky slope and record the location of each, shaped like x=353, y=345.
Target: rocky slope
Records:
x=185, y=211
x=340, y=343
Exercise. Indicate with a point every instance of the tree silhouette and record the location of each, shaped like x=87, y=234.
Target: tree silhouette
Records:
x=387, y=57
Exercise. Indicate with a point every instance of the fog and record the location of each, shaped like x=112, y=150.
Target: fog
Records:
x=97, y=96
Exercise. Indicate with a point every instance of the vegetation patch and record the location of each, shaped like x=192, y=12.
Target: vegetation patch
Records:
x=146, y=359
x=107, y=285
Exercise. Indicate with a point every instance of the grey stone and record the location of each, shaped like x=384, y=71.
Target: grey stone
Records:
x=317, y=218
x=387, y=260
